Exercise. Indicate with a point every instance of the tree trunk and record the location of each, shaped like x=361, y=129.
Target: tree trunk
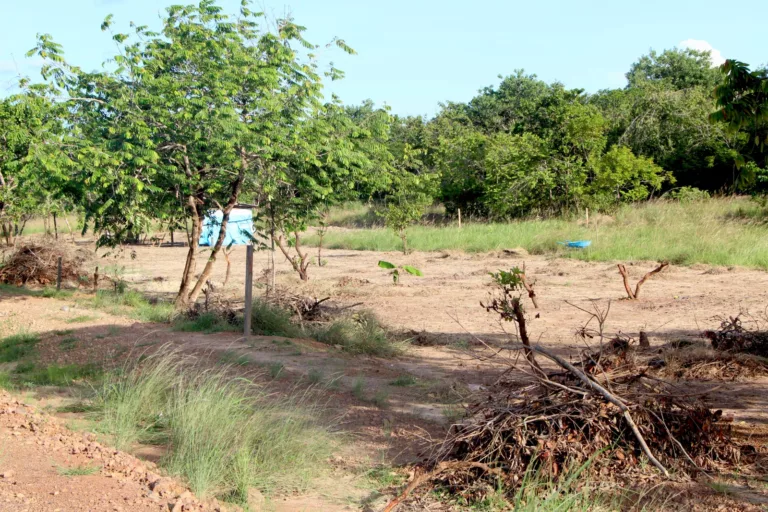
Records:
x=55, y=227
x=189, y=267
x=233, y=196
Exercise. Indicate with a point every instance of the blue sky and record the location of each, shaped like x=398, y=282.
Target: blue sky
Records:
x=413, y=54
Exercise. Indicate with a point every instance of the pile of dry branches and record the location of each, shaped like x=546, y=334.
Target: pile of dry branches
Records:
x=734, y=337
x=307, y=309
x=37, y=263
x=607, y=411
x=581, y=412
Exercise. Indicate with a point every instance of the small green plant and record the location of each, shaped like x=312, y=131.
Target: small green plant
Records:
x=77, y=470
x=65, y=332
x=396, y=270
x=276, y=369
x=271, y=320
x=404, y=381
x=358, y=388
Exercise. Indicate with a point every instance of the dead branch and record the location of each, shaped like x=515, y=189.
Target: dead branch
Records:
x=633, y=295
x=529, y=289
x=609, y=397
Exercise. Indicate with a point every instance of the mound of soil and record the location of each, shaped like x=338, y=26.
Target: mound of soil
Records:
x=47, y=467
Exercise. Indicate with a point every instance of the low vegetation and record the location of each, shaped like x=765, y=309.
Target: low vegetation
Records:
x=715, y=232
x=223, y=435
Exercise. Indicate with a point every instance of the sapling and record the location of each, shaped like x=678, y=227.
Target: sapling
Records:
x=396, y=270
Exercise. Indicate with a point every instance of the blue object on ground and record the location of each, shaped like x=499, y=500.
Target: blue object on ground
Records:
x=240, y=225
x=578, y=244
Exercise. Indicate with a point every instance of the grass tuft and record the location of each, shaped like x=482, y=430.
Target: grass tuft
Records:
x=269, y=320
x=206, y=322
x=359, y=334
x=223, y=435
x=77, y=470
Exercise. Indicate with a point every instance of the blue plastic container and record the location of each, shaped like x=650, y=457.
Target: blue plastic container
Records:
x=577, y=244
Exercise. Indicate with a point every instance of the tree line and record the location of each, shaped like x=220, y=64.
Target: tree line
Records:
x=215, y=110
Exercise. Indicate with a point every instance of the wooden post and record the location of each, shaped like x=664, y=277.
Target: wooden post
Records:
x=58, y=275
x=55, y=227
x=587, y=217
x=96, y=280
x=248, y=292
x=459, y=210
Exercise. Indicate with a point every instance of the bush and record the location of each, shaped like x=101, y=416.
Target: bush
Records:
x=359, y=334
x=270, y=320
x=687, y=194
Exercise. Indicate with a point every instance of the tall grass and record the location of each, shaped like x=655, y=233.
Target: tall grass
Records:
x=714, y=231
x=223, y=435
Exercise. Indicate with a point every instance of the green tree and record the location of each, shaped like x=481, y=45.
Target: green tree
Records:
x=742, y=104
x=188, y=121
x=679, y=68
x=34, y=167
x=626, y=177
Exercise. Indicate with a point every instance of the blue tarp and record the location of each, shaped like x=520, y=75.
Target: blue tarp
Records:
x=239, y=221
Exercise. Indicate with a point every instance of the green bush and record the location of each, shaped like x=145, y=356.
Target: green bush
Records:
x=269, y=320
x=359, y=334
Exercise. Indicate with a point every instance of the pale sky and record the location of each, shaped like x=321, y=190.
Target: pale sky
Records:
x=414, y=54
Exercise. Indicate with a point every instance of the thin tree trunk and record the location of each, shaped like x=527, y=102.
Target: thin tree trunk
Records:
x=233, y=196
x=189, y=267
x=55, y=227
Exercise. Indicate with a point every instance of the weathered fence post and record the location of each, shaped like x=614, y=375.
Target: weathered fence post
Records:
x=58, y=275
x=248, y=291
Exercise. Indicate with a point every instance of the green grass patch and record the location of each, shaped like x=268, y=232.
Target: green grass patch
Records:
x=65, y=332
x=68, y=343
x=6, y=382
x=53, y=293
x=230, y=357
x=77, y=470
x=132, y=304
x=359, y=334
x=80, y=319
x=206, y=322
x=404, y=381
x=30, y=374
x=224, y=435
x=269, y=320
x=17, y=346
x=714, y=231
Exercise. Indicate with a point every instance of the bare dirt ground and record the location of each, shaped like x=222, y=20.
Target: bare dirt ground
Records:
x=440, y=312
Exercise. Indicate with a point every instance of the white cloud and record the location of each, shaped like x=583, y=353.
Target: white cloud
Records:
x=697, y=44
